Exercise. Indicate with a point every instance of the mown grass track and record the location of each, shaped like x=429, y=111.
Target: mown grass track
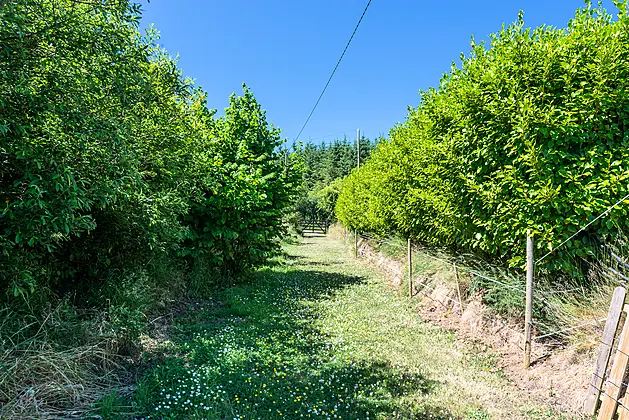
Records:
x=322, y=336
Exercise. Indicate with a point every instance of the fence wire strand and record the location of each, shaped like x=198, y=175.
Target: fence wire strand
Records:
x=538, y=325
x=463, y=269
x=609, y=381
x=576, y=327
x=603, y=214
x=460, y=268
x=548, y=294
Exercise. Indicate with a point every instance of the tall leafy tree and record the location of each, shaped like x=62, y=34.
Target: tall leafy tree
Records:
x=237, y=220
x=110, y=155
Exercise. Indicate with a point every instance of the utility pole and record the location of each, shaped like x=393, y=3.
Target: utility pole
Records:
x=358, y=165
x=358, y=146
x=358, y=161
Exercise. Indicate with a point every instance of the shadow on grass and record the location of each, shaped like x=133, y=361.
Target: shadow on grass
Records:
x=320, y=263
x=259, y=355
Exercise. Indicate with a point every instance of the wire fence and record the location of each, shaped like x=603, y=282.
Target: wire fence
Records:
x=576, y=327
x=618, y=385
x=582, y=229
x=554, y=318
x=548, y=334
x=609, y=390
x=425, y=285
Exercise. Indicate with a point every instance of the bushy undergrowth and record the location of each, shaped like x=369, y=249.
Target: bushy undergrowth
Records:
x=529, y=132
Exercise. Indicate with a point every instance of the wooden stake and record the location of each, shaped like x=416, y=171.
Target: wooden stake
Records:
x=458, y=288
x=355, y=244
x=528, y=315
x=604, y=351
x=410, y=269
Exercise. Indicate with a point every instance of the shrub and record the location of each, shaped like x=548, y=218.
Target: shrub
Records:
x=120, y=192
x=237, y=219
x=90, y=167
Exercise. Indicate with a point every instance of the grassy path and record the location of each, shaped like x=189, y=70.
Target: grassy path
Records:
x=321, y=337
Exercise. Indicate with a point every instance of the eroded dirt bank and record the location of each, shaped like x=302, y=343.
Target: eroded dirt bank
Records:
x=557, y=377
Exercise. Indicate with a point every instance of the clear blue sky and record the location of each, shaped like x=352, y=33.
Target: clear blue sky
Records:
x=285, y=51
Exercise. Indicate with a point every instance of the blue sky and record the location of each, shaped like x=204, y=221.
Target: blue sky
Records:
x=285, y=51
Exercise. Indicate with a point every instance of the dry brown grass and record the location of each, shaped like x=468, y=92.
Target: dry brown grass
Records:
x=41, y=379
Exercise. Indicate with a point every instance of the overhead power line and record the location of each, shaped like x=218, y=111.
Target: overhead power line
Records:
x=334, y=135
x=333, y=71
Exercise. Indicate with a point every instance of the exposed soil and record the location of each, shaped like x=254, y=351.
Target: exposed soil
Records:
x=558, y=377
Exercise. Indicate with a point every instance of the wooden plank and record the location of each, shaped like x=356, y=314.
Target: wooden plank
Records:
x=616, y=376
x=611, y=326
x=623, y=409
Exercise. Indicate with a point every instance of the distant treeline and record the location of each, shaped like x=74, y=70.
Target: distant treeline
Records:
x=324, y=165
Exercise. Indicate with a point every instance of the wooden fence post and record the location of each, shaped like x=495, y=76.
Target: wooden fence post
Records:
x=458, y=287
x=410, y=269
x=528, y=315
x=355, y=244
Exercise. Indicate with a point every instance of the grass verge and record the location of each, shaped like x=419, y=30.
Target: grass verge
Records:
x=60, y=358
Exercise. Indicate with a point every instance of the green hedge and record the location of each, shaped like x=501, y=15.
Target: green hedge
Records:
x=530, y=132
x=109, y=156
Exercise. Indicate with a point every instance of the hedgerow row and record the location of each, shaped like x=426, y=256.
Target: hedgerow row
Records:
x=531, y=131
